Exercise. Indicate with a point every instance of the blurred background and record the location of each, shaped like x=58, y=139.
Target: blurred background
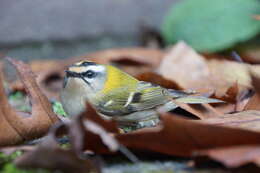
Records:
x=64, y=28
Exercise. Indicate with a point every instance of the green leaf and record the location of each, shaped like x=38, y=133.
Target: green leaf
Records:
x=8, y=158
x=212, y=26
x=58, y=109
x=11, y=168
x=6, y=165
x=17, y=96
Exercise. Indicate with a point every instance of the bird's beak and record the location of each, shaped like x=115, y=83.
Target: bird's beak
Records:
x=75, y=75
x=71, y=74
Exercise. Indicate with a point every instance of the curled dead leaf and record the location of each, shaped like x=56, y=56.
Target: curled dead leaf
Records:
x=15, y=127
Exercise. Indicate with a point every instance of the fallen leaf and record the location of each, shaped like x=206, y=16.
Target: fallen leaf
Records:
x=107, y=139
x=230, y=95
x=151, y=57
x=181, y=137
x=177, y=136
x=254, y=102
x=202, y=111
x=15, y=127
x=186, y=67
x=49, y=77
x=89, y=131
x=158, y=79
x=49, y=155
x=225, y=73
x=234, y=156
x=249, y=120
x=83, y=137
x=190, y=70
x=109, y=125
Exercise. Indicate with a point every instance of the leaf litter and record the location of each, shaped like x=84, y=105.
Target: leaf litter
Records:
x=227, y=132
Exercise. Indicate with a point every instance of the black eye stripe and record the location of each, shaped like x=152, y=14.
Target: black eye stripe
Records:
x=89, y=74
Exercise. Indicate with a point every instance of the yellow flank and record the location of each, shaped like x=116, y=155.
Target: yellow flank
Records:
x=117, y=79
x=77, y=69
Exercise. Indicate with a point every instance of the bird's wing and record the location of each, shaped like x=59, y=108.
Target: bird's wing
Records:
x=142, y=97
x=147, y=96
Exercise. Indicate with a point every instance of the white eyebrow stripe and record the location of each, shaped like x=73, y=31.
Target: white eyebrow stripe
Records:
x=96, y=68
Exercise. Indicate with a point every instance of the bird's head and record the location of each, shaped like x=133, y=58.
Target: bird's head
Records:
x=92, y=78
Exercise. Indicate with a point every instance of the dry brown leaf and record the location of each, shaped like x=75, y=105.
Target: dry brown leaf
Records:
x=49, y=77
x=249, y=120
x=254, y=102
x=90, y=140
x=236, y=156
x=230, y=95
x=109, y=125
x=181, y=137
x=177, y=136
x=233, y=157
x=226, y=108
x=151, y=57
x=225, y=73
x=202, y=111
x=16, y=127
x=158, y=79
x=186, y=67
x=193, y=71
x=49, y=155
x=89, y=131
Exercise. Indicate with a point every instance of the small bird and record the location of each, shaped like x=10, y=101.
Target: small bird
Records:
x=117, y=95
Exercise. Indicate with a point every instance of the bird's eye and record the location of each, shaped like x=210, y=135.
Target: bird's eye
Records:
x=89, y=74
x=84, y=63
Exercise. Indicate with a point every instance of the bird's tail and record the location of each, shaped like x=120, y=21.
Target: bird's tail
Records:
x=190, y=98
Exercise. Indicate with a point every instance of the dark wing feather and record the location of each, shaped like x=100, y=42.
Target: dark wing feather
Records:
x=149, y=96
